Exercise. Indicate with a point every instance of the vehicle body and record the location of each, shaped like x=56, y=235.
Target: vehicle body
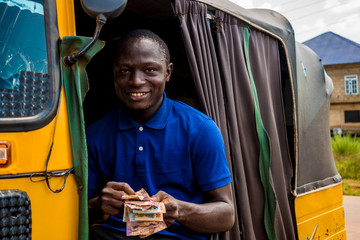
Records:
x=43, y=147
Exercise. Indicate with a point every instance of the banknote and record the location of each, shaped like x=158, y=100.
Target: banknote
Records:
x=158, y=208
x=143, y=215
x=141, y=207
x=146, y=217
x=141, y=203
x=144, y=229
x=139, y=195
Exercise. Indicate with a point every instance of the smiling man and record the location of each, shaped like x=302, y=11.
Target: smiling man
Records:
x=141, y=70
x=166, y=147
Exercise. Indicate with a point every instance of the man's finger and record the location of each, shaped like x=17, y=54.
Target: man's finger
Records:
x=121, y=186
x=110, y=210
x=161, y=196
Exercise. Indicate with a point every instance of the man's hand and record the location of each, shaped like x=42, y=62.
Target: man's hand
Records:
x=109, y=201
x=171, y=206
x=217, y=215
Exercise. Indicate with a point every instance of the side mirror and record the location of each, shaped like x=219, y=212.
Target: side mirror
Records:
x=108, y=8
x=101, y=11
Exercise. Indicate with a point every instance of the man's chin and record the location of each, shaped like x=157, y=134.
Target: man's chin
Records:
x=136, y=107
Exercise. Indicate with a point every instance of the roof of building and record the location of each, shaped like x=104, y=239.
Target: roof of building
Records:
x=334, y=49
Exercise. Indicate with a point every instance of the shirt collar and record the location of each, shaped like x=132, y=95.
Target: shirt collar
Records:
x=158, y=121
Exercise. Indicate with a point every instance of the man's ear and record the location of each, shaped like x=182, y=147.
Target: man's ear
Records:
x=169, y=71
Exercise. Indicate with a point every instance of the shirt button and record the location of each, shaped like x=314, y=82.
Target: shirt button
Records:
x=141, y=148
x=141, y=128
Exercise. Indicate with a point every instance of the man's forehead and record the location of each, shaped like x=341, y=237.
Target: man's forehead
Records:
x=141, y=42
x=133, y=47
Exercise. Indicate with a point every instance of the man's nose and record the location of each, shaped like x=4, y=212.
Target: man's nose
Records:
x=137, y=78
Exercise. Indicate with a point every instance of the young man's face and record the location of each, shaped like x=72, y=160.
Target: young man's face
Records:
x=140, y=75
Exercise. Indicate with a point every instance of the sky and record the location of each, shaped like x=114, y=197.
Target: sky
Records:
x=311, y=18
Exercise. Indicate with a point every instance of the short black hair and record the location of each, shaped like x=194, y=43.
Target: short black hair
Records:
x=146, y=34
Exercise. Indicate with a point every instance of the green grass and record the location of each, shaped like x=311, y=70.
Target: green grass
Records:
x=351, y=187
x=348, y=166
x=345, y=145
x=346, y=151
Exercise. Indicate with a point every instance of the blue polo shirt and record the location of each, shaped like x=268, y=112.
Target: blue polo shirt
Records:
x=179, y=150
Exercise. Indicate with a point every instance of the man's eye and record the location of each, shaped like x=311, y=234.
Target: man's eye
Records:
x=150, y=70
x=123, y=70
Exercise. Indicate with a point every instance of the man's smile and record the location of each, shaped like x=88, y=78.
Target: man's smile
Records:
x=137, y=94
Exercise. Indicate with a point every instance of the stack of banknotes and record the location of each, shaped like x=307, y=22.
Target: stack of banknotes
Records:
x=143, y=215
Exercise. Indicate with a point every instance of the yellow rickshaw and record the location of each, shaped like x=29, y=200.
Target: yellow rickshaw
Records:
x=268, y=94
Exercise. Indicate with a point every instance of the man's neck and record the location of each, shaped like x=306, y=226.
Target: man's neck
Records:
x=139, y=116
x=144, y=115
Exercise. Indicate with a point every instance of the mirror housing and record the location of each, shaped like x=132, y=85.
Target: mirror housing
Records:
x=101, y=11
x=108, y=8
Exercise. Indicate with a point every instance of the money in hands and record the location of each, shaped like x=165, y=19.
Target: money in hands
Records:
x=143, y=215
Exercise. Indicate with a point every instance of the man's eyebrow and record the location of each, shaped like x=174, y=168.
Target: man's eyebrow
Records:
x=152, y=62
x=121, y=63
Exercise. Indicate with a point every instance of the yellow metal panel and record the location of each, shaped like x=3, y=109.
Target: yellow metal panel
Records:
x=66, y=17
x=29, y=150
x=54, y=215
x=320, y=215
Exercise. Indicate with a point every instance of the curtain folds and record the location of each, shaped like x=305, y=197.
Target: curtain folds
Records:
x=215, y=53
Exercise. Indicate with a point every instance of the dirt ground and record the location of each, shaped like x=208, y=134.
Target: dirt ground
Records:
x=352, y=217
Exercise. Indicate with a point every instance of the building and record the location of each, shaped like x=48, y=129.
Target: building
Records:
x=341, y=60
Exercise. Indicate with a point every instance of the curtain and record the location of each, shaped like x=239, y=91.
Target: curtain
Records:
x=216, y=57
x=76, y=86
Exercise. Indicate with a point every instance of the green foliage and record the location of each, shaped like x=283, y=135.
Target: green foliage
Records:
x=346, y=151
x=345, y=145
x=351, y=187
x=348, y=166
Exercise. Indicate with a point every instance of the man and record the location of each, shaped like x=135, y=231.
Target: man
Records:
x=171, y=150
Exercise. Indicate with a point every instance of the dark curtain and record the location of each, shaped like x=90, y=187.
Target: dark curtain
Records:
x=215, y=53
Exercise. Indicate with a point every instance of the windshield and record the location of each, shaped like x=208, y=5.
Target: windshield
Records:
x=24, y=79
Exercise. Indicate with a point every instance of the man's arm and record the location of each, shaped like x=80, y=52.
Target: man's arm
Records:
x=217, y=215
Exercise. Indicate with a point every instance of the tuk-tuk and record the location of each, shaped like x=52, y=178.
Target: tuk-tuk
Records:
x=268, y=94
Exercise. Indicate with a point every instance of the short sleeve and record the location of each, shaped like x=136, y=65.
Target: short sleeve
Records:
x=209, y=158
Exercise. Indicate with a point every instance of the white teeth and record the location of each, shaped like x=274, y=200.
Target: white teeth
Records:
x=137, y=94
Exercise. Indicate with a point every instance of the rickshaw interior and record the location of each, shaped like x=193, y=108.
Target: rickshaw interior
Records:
x=157, y=16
